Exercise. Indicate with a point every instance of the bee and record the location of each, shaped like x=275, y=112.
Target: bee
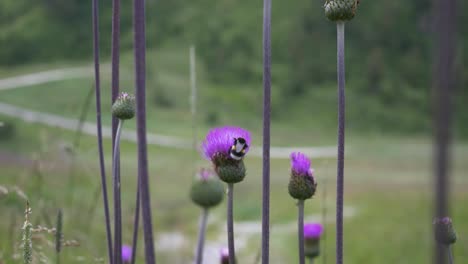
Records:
x=237, y=151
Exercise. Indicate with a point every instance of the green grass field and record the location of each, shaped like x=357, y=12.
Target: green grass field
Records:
x=388, y=178
x=388, y=185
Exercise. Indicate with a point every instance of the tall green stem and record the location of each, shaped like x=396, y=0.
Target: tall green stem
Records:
x=450, y=255
x=201, y=236
x=266, y=131
x=300, y=230
x=230, y=224
x=117, y=198
x=102, y=166
x=341, y=141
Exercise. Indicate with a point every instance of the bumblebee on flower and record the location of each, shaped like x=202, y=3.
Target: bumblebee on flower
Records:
x=226, y=148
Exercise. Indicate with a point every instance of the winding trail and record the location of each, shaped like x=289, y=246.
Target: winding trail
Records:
x=89, y=128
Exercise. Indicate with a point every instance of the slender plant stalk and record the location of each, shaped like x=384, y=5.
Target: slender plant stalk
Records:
x=311, y=260
x=193, y=105
x=58, y=236
x=117, y=198
x=300, y=230
x=230, y=224
x=201, y=236
x=324, y=220
x=450, y=255
x=83, y=114
x=444, y=82
x=99, y=127
x=140, y=94
x=27, y=237
x=266, y=131
x=341, y=141
x=115, y=58
x=136, y=223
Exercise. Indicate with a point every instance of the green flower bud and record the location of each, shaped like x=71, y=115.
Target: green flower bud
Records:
x=301, y=187
x=231, y=171
x=207, y=191
x=444, y=231
x=340, y=10
x=124, y=106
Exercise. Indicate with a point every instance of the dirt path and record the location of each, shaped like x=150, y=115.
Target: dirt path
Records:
x=89, y=128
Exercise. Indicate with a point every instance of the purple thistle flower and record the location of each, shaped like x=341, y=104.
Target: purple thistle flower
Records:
x=224, y=255
x=219, y=141
x=126, y=254
x=313, y=230
x=300, y=164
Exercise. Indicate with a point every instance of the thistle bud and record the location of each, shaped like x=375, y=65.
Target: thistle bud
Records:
x=124, y=106
x=231, y=171
x=443, y=231
x=302, y=184
x=312, y=234
x=340, y=10
x=207, y=191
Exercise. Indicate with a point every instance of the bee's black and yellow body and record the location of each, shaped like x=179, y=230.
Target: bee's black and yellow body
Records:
x=238, y=149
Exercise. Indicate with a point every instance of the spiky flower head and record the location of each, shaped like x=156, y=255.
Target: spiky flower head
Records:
x=226, y=147
x=126, y=253
x=302, y=184
x=224, y=255
x=312, y=233
x=340, y=10
x=443, y=231
x=124, y=106
x=207, y=190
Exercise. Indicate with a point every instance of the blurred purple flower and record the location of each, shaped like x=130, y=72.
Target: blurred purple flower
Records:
x=126, y=253
x=300, y=164
x=219, y=140
x=204, y=174
x=224, y=255
x=313, y=230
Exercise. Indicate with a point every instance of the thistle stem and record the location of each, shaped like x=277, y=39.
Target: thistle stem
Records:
x=140, y=95
x=117, y=199
x=115, y=58
x=99, y=127
x=201, y=236
x=136, y=223
x=230, y=224
x=266, y=131
x=311, y=260
x=450, y=255
x=324, y=219
x=341, y=141
x=444, y=82
x=300, y=230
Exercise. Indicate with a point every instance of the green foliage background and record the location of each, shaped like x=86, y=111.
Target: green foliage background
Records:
x=388, y=53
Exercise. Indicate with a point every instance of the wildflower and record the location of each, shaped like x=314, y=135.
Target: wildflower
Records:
x=124, y=106
x=126, y=253
x=226, y=147
x=224, y=255
x=302, y=184
x=207, y=191
x=312, y=234
x=443, y=231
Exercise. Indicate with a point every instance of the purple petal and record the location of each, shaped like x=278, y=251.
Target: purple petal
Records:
x=220, y=139
x=300, y=164
x=313, y=230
